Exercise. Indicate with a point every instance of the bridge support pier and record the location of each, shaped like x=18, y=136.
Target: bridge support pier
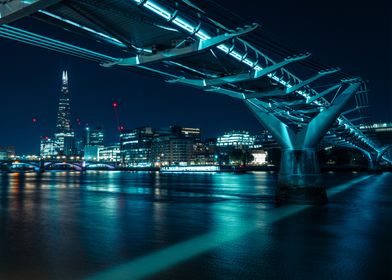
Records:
x=41, y=166
x=374, y=167
x=299, y=179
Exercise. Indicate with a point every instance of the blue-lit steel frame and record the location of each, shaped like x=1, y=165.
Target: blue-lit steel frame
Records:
x=13, y=10
x=178, y=20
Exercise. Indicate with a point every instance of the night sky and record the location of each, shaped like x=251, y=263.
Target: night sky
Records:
x=352, y=35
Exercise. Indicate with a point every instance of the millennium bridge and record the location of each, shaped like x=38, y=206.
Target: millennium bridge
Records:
x=190, y=43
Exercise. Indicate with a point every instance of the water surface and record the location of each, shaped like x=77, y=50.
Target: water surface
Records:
x=71, y=225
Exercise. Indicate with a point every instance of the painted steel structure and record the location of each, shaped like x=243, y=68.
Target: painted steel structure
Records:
x=184, y=42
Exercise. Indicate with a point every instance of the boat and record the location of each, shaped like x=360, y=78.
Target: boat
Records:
x=190, y=168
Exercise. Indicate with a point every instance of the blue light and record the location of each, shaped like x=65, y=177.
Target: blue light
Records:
x=113, y=40
x=155, y=8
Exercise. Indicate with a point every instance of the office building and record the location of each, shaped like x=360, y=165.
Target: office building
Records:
x=48, y=147
x=110, y=153
x=7, y=152
x=236, y=139
x=172, y=150
x=91, y=153
x=95, y=136
x=135, y=145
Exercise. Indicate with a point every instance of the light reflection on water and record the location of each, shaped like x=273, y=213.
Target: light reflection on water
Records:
x=62, y=225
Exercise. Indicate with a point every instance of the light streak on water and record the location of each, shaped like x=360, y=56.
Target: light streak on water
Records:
x=155, y=262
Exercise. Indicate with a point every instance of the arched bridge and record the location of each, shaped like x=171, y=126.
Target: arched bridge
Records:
x=40, y=165
x=187, y=42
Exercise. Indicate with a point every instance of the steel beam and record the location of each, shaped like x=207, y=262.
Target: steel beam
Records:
x=279, y=130
x=227, y=92
x=323, y=93
x=320, y=124
x=243, y=77
x=178, y=52
x=354, y=109
x=271, y=93
x=13, y=10
x=309, y=111
x=311, y=80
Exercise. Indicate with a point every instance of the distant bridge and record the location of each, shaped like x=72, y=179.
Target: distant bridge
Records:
x=40, y=165
x=186, y=42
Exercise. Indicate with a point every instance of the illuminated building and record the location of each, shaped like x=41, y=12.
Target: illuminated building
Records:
x=48, y=147
x=79, y=146
x=264, y=140
x=177, y=146
x=64, y=109
x=259, y=157
x=65, y=143
x=135, y=145
x=7, y=152
x=110, y=153
x=204, y=153
x=236, y=139
x=187, y=132
x=95, y=136
x=171, y=150
x=64, y=136
x=91, y=153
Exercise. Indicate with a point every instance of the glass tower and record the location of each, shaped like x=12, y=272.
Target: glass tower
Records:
x=63, y=114
x=65, y=137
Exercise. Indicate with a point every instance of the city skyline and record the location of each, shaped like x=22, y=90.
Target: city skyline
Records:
x=195, y=139
x=144, y=100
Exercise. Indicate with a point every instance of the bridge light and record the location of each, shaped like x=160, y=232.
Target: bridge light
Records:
x=158, y=10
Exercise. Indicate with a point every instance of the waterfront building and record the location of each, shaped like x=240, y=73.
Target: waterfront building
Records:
x=79, y=146
x=7, y=152
x=259, y=157
x=95, y=136
x=204, y=153
x=135, y=146
x=187, y=132
x=236, y=139
x=110, y=153
x=91, y=153
x=48, y=147
x=65, y=143
x=172, y=150
x=264, y=140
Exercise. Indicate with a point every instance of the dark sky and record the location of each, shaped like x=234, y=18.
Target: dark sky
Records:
x=353, y=35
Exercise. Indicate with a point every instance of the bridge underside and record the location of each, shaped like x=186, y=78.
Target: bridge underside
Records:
x=192, y=45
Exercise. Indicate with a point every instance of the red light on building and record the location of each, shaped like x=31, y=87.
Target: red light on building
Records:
x=114, y=104
x=34, y=120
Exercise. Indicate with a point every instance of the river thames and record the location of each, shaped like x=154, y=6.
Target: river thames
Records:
x=140, y=225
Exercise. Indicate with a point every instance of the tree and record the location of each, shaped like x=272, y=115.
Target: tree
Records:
x=240, y=156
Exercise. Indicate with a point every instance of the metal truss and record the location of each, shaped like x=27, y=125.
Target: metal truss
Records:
x=295, y=105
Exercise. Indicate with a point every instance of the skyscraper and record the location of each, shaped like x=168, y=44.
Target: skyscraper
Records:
x=65, y=137
x=64, y=109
